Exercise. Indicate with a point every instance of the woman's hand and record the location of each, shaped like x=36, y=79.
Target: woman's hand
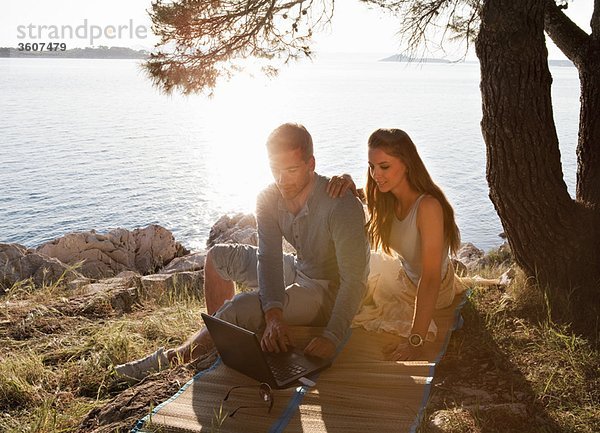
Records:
x=403, y=352
x=338, y=185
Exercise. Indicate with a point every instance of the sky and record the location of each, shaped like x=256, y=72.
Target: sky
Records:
x=356, y=28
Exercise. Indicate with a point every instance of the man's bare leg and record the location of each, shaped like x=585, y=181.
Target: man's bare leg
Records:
x=195, y=347
x=199, y=344
x=216, y=292
x=216, y=289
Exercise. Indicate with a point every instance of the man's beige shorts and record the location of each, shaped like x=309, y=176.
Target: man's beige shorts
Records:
x=304, y=304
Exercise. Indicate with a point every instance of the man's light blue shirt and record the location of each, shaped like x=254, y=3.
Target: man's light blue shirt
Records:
x=331, y=244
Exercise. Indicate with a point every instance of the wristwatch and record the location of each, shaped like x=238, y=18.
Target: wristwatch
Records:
x=415, y=340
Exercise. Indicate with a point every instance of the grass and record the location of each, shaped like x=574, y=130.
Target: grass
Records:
x=511, y=355
x=539, y=375
x=54, y=368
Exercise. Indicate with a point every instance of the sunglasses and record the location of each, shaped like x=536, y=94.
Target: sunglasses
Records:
x=265, y=394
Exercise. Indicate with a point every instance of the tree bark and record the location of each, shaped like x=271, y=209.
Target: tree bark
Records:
x=552, y=236
x=588, y=146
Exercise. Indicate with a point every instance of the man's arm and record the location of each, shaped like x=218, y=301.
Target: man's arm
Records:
x=270, y=253
x=271, y=287
x=347, y=227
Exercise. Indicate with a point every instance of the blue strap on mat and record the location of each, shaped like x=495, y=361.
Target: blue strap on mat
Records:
x=457, y=324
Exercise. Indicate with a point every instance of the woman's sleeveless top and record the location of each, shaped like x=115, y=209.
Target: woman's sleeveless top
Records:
x=406, y=241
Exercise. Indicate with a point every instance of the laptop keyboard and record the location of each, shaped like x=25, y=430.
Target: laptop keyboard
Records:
x=283, y=369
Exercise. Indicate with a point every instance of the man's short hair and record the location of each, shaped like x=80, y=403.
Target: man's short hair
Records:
x=291, y=136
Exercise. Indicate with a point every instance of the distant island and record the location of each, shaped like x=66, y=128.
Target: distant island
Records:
x=561, y=63
x=403, y=58
x=101, y=52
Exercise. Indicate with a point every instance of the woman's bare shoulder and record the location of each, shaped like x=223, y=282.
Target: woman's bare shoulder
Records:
x=429, y=202
x=429, y=207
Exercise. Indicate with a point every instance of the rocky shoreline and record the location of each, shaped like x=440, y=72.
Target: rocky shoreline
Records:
x=148, y=257
x=111, y=274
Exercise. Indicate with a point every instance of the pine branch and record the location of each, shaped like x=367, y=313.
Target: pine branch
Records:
x=200, y=40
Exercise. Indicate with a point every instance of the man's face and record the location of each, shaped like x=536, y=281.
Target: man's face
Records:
x=291, y=172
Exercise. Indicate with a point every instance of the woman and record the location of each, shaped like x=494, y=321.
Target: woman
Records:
x=409, y=214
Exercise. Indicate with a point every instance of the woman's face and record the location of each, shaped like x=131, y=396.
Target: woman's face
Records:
x=388, y=172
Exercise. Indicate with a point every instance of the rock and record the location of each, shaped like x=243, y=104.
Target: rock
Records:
x=453, y=421
x=439, y=420
x=125, y=278
x=27, y=318
x=108, y=297
x=191, y=262
x=470, y=256
x=155, y=247
x=113, y=302
x=78, y=283
x=498, y=257
x=181, y=283
x=238, y=229
x=103, y=255
x=465, y=418
x=105, y=298
x=17, y=263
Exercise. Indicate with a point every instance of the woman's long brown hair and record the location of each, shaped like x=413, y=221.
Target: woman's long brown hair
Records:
x=381, y=205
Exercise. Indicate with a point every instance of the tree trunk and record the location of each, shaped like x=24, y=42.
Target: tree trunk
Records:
x=553, y=237
x=588, y=150
x=588, y=147
x=584, y=51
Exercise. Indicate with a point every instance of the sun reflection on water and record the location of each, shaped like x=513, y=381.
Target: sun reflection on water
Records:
x=234, y=156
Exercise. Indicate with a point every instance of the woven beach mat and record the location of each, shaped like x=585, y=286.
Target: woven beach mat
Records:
x=360, y=392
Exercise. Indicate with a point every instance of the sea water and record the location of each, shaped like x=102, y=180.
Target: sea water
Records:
x=91, y=144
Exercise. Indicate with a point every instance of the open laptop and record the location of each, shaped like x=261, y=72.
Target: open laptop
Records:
x=240, y=349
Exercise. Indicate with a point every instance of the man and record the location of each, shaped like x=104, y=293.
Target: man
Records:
x=321, y=286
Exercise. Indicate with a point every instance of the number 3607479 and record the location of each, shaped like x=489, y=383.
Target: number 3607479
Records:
x=42, y=46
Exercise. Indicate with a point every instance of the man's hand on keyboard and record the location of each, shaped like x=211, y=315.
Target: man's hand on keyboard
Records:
x=277, y=336
x=320, y=346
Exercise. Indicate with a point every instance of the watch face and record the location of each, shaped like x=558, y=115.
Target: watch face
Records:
x=415, y=340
